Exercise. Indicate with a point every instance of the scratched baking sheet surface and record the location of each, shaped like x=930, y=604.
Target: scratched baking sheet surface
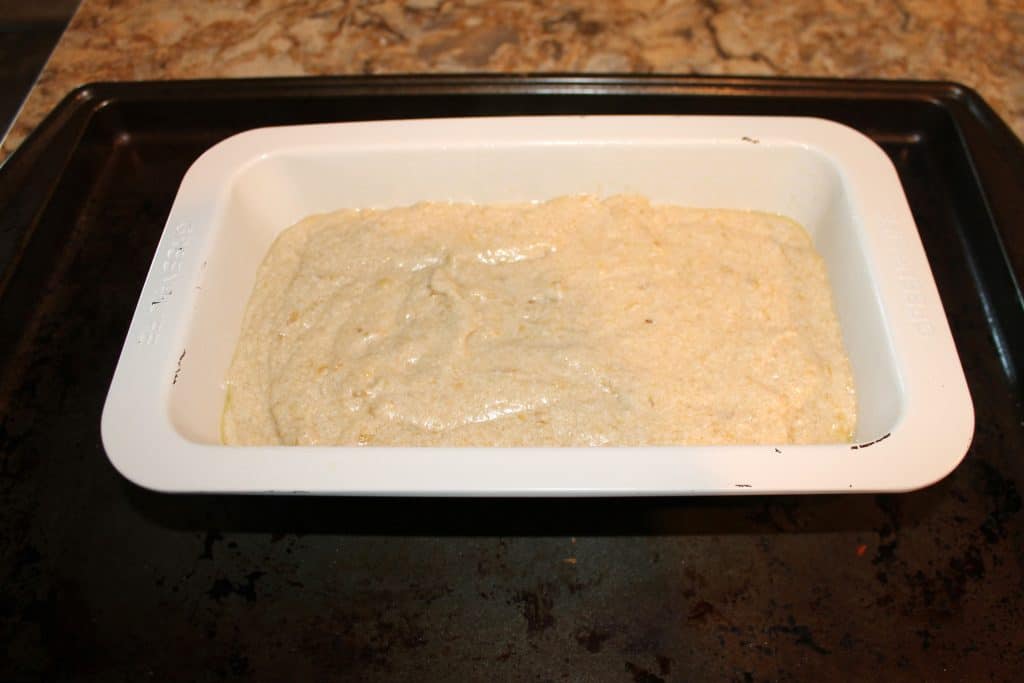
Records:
x=99, y=578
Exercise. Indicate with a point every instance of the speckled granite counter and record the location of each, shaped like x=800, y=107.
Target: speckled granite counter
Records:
x=976, y=43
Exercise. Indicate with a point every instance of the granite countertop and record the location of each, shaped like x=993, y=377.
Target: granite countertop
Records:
x=973, y=42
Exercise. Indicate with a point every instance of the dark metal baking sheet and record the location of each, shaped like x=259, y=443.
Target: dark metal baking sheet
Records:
x=101, y=579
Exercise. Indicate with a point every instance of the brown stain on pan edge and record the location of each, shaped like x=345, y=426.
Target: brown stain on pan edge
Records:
x=870, y=443
x=177, y=370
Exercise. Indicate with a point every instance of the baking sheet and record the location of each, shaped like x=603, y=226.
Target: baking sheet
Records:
x=99, y=578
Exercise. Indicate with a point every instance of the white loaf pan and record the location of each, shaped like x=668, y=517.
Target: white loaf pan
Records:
x=160, y=424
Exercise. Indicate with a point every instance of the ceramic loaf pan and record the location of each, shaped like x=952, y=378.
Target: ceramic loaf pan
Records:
x=160, y=424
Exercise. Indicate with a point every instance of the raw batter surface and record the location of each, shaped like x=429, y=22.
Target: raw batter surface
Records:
x=578, y=321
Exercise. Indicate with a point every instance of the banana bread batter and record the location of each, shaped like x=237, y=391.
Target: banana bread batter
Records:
x=577, y=321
